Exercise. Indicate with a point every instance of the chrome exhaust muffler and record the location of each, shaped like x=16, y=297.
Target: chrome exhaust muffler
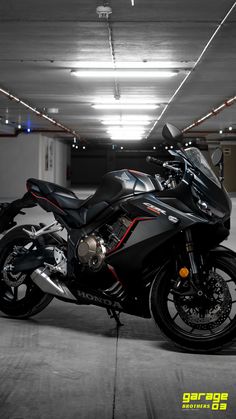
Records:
x=55, y=287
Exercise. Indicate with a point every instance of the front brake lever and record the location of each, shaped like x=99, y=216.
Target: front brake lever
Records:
x=170, y=167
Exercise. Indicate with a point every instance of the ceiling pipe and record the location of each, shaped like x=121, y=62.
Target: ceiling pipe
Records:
x=213, y=112
x=44, y=130
x=22, y=131
x=39, y=113
x=113, y=58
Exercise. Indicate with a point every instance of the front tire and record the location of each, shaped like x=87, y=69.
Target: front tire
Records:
x=19, y=296
x=186, y=325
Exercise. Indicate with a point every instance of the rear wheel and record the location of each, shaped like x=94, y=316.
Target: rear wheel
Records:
x=19, y=296
x=198, y=323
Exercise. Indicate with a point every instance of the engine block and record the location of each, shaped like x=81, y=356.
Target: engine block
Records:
x=91, y=251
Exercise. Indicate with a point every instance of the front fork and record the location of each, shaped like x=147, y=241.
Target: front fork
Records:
x=190, y=252
x=193, y=277
x=195, y=280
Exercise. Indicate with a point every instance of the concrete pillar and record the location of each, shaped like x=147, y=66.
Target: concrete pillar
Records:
x=229, y=149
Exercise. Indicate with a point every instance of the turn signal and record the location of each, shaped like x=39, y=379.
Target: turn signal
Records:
x=184, y=272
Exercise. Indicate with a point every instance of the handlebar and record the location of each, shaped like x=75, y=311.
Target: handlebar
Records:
x=150, y=159
x=167, y=164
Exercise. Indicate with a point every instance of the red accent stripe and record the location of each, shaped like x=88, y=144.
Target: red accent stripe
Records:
x=134, y=221
x=45, y=199
x=113, y=272
x=154, y=210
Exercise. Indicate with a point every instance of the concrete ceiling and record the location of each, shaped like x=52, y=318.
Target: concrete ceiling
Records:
x=40, y=42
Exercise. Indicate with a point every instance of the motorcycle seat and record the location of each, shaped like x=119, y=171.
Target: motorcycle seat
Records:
x=57, y=194
x=55, y=198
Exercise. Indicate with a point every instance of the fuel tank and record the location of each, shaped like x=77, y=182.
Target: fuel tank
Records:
x=121, y=183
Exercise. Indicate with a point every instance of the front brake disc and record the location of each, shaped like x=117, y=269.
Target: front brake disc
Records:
x=213, y=312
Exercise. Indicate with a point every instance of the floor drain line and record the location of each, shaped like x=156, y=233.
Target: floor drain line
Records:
x=115, y=375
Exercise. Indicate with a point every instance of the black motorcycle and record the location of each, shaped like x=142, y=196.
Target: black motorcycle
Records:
x=143, y=245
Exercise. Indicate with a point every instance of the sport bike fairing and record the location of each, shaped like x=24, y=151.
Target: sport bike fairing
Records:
x=207, y=185
x=156, y=223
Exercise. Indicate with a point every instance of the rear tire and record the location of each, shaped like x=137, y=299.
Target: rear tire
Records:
x=26, y=299
x=209, y=336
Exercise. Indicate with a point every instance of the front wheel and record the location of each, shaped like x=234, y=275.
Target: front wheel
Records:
x=199, y=324
x=19, y=296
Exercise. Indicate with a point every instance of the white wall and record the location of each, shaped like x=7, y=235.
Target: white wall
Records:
x=18, y=162
x=31, y=155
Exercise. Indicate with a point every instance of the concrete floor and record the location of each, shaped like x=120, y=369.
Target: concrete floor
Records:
x=70, y=362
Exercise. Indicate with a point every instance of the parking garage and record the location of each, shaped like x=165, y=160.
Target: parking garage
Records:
x=86, y=88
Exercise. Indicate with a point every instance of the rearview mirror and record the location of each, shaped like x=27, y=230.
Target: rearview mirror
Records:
x=172, y=134
x=217, y=156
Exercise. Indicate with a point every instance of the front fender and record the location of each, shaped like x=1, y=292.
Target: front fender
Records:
x=223, y=251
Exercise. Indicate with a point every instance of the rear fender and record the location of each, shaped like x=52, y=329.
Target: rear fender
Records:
x=8, y=211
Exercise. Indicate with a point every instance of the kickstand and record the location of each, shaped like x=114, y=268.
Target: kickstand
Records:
x=115, y=315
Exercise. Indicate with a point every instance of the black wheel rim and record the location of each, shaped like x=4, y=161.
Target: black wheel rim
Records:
x=217, y=320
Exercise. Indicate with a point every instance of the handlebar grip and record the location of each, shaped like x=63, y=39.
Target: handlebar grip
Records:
x=150, y=159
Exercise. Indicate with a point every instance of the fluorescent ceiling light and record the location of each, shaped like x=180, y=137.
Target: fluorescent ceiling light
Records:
x=125, y=135
x=126, y=129
x=125, y=123
x=125, y=101
x=165, y=65
x=53, y=110
x=124, y=73
x=126, y=118
x=125, y=106
x=117, y=138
